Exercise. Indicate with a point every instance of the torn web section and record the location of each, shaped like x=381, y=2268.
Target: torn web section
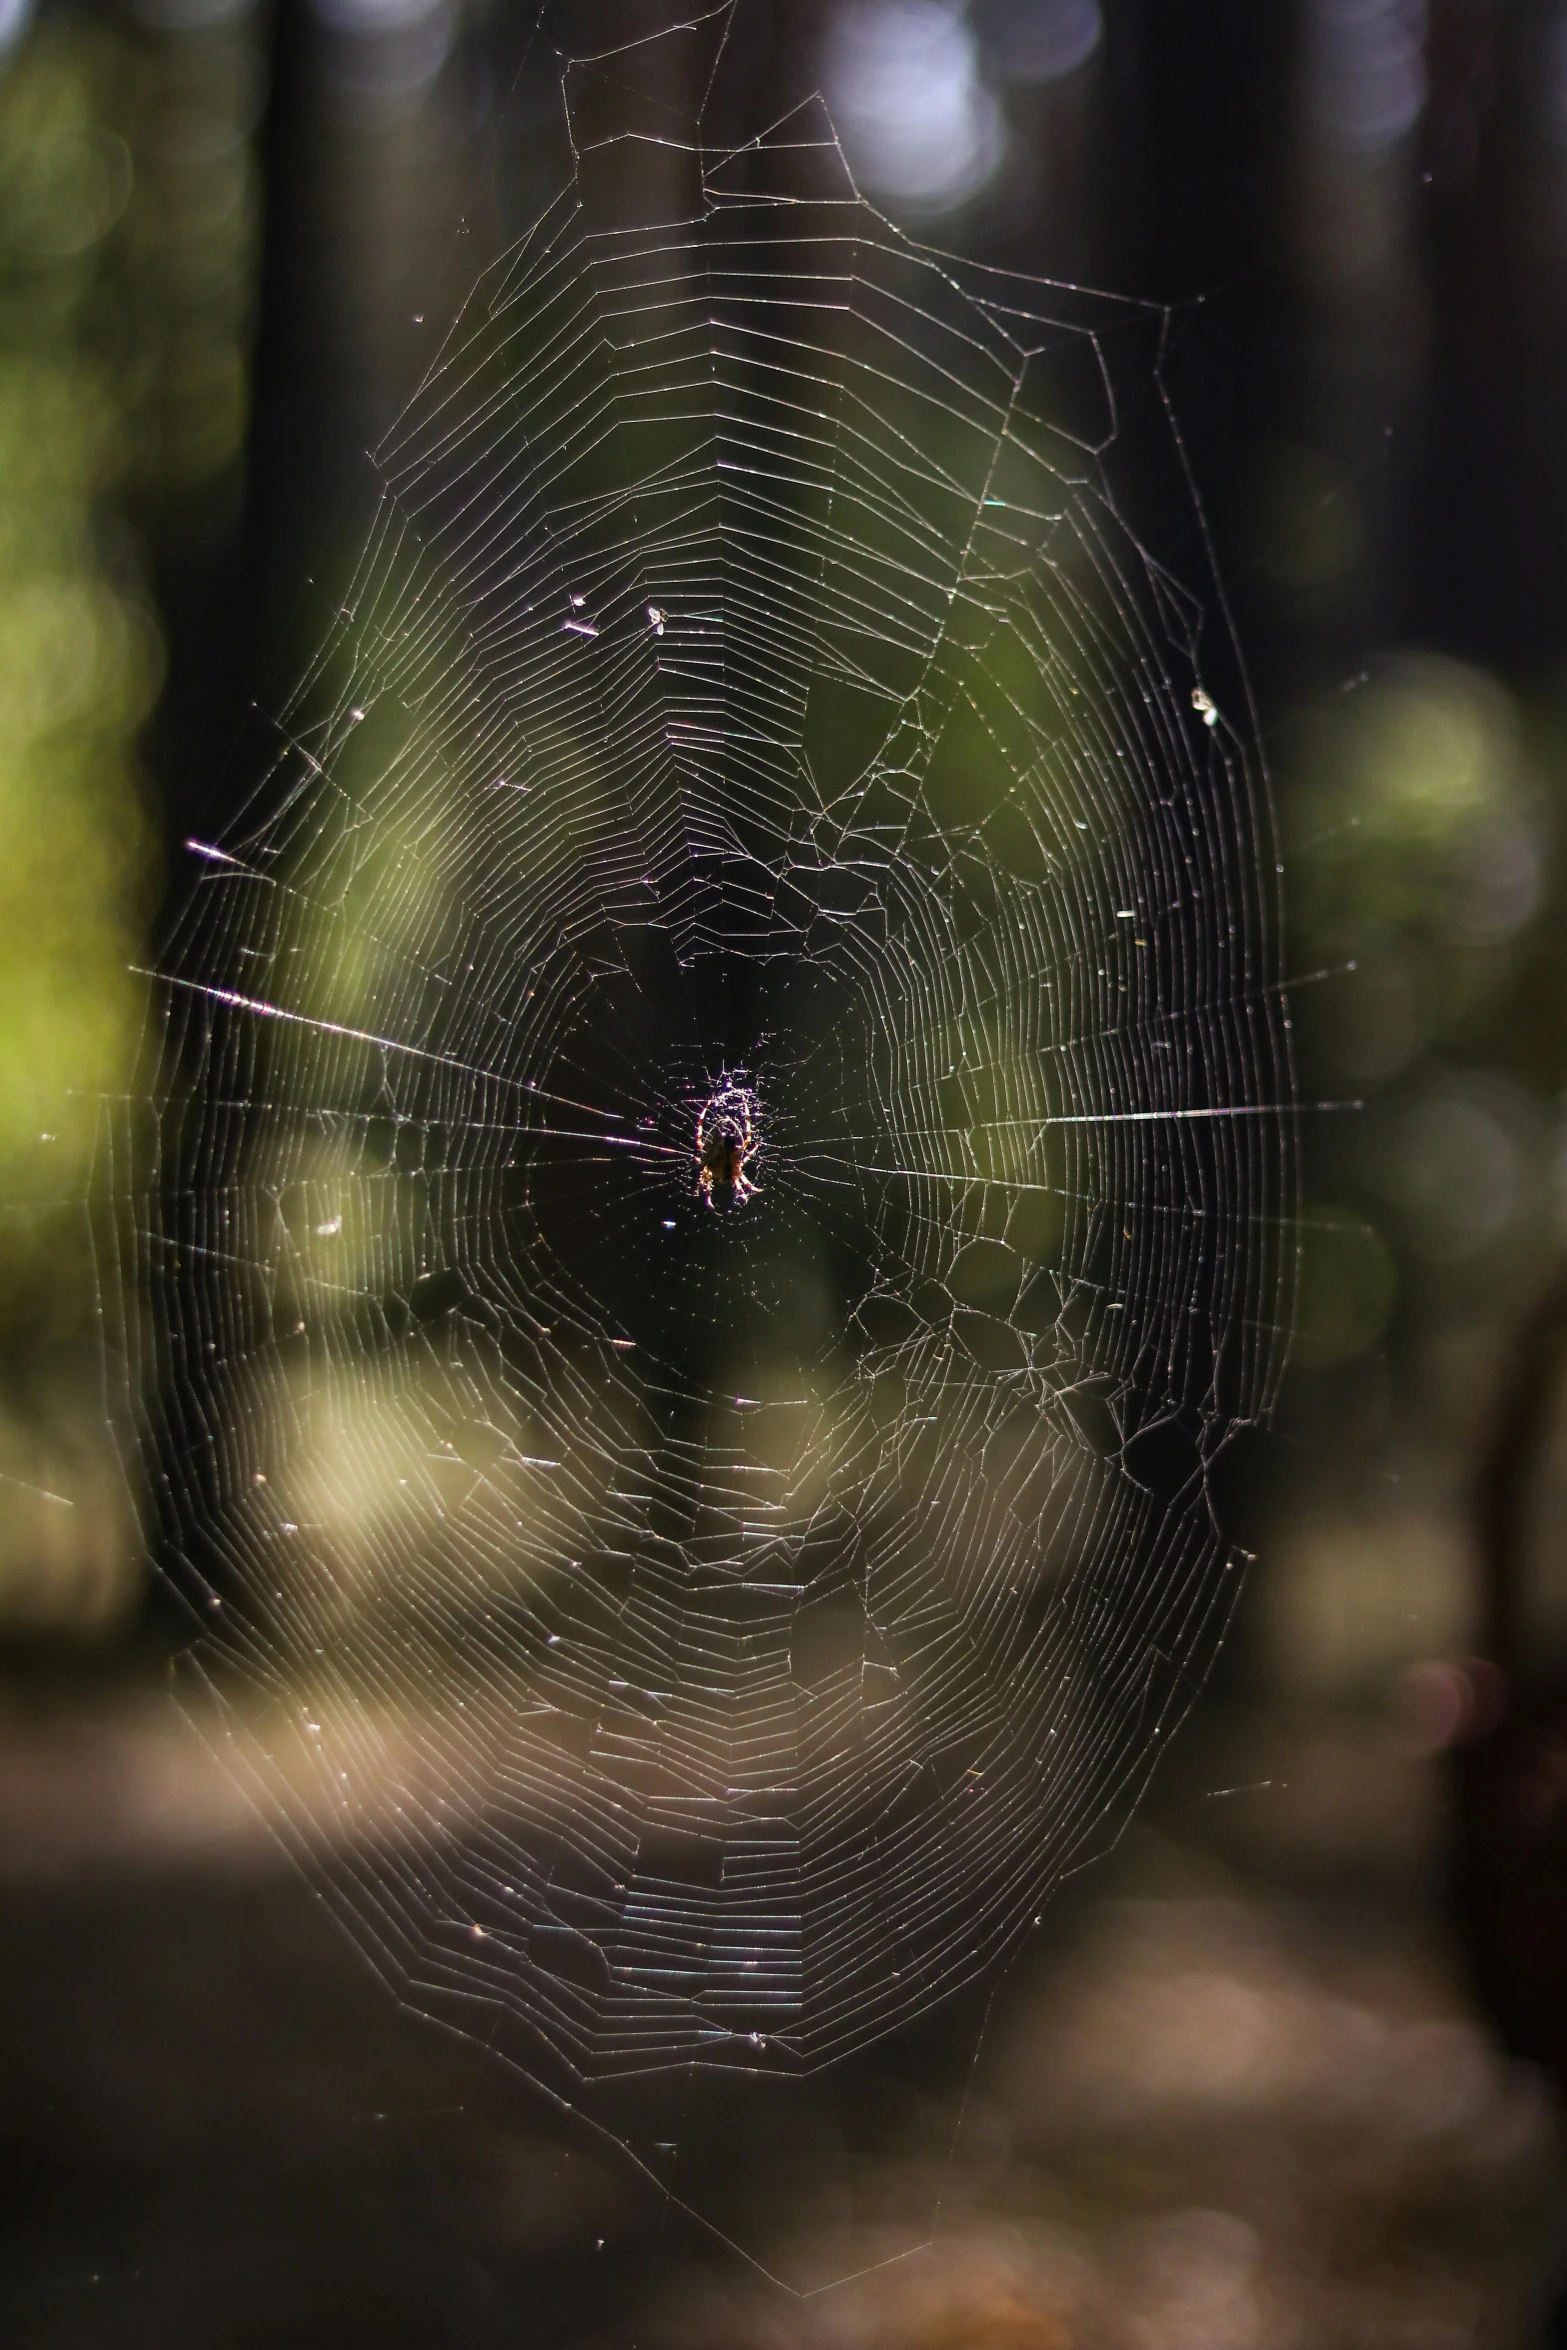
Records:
x=687, y=1629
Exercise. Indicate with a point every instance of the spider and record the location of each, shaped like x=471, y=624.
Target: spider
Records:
x=724, y=1145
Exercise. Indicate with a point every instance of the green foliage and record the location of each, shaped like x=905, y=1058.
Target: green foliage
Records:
x=125, y=228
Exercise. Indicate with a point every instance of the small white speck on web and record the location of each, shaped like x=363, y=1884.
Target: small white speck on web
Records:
x=1204, y=706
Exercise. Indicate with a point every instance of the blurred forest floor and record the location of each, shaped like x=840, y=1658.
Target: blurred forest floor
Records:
x=1232, y=2097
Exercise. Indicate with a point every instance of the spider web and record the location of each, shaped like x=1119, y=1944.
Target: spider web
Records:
x=682, y=1637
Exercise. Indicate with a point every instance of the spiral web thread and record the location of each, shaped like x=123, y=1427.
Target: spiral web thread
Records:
x=674, y=1632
